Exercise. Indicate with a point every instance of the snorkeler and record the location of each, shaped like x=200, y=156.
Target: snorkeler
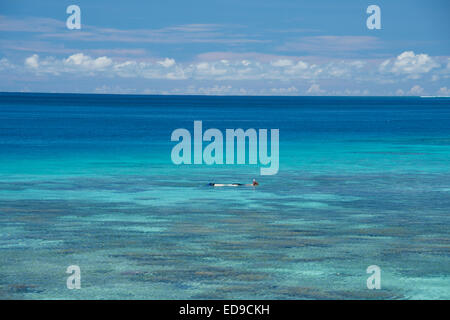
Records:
x=253, y=184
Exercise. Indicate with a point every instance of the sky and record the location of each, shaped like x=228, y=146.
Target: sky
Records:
x=245, y=47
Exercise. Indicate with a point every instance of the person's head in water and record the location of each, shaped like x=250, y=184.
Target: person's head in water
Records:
x=255, y=183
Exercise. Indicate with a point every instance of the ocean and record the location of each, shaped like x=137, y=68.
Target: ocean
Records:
x=88, y=180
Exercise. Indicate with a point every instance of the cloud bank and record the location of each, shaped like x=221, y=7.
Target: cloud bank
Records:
x=286, y=73
x=407, y=65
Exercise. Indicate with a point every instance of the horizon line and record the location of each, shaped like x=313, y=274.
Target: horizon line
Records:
x=215, y=95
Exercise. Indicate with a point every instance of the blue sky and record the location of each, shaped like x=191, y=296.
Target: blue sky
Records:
x=229, y=47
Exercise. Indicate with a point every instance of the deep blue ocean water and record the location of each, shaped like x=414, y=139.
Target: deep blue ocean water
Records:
x=88, y=180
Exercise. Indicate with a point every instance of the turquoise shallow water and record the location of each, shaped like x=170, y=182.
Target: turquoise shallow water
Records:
x=88, y=181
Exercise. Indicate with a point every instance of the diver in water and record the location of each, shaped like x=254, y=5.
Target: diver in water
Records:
x=253, y=184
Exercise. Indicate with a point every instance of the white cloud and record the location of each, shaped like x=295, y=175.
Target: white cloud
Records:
x=6, y=65
x=357, y=92
x=444, y=91
x=215, y=90
x=87, y=63
x=126, y=69
x=410, y=64
x=177, y=74
x=435, y=77
x=33, y=61
x=75, y=63
x=315, y=89
x=167, y=62
x=416, y=90
x=293, y=71
x=206, y=69
x=284, y=91
x=299, y=69
x=115, y=89
x=282, y=63
x=281, y=69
